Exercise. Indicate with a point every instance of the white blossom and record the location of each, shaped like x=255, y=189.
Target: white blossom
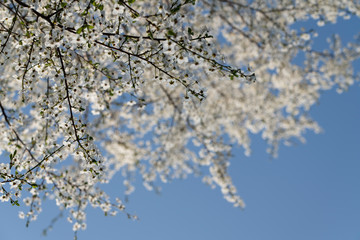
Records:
x=89, y=91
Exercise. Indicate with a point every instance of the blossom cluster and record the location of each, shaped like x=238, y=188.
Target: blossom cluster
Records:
x=92, y=88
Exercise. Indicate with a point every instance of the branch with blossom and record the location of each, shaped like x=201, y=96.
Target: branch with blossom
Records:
x=92, y=88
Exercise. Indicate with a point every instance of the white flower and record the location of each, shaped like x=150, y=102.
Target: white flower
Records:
x=21, y=215
x=76, y=226
x=320, y=23
x=305, y=36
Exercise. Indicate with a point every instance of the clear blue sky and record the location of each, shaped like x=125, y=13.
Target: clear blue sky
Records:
x=311, y=191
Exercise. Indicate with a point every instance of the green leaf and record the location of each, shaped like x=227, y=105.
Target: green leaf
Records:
x=171, y=32
x=150, y=35
x=14, y=202
x=79, y=30
x=135, y=15
x=131, y=1
x=175, y=9
x=190, y=31
x=13, y=155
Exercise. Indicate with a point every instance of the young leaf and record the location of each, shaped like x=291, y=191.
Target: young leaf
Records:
x=79, y=30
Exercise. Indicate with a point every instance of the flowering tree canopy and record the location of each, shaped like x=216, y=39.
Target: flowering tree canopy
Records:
x=163, y=89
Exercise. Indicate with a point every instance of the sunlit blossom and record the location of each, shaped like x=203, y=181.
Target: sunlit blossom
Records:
x=155, y=88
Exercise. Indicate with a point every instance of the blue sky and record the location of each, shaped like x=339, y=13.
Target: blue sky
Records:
x=311, y=191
